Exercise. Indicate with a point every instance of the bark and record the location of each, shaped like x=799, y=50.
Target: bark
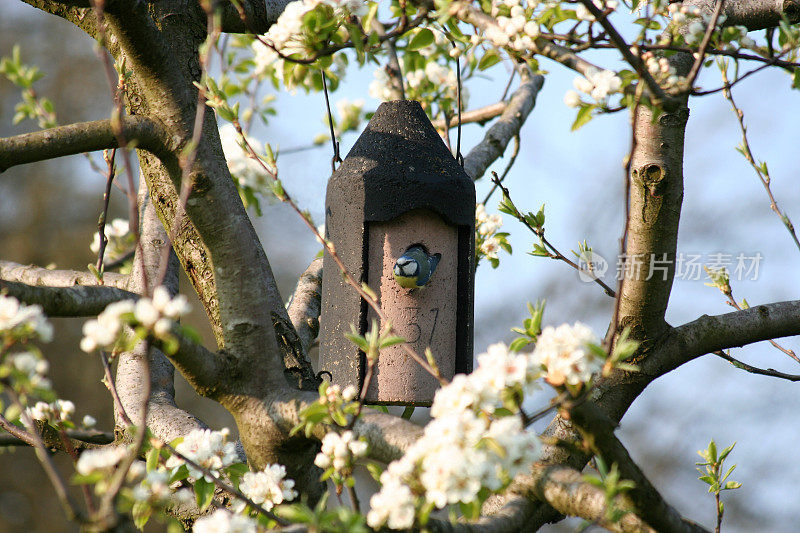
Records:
x=164, y=418
x=38, y=276
x=656, y=195
x=507, y=126
x=83, y=137
x=67, y=301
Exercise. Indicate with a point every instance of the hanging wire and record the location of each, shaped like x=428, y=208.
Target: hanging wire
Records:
x=336, y=158
x=459, y=157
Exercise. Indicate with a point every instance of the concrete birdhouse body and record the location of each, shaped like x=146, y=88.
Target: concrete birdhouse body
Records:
x=400, y=204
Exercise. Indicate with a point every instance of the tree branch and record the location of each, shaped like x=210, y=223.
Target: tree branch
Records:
x=259, y=14
x=82, y=137
x=481, y=115
x=755, y=370
x=67, y=301
x=38, y=276
x=304, y=308
x=708, y=334
x=507, y=126
x=655, y=199
x=598, y=430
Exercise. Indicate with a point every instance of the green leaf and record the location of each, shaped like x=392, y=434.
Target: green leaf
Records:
x=204, y=491
x=518, y=344
x=423, y=38
x=584, y=115
x=489, y=59
x=152, y=459
x=141, y=514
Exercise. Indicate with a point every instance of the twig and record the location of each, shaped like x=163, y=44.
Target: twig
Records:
x=69, y=506
x=219, y=483
x=762, y=175
x=554, y=253
x=511, y=161
x=336, y=158
x=728, y=292
x=701, y=51
x=755, y=370
x=392, y=68
x=101, y=224
x=117, y=86
x=633, y=60
x=108, y=381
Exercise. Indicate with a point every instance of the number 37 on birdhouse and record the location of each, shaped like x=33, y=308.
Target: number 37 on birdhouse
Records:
x=401, y=214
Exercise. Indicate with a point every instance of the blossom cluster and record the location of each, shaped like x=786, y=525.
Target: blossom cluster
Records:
x=582, y=13
x=155, y=314
x=29, y=366
x=20, y=322
x=289, y=35
x=698, y=23
x=209, y=449
x=269, y=487
x=154, y=488
x=515, y=29
x=423, y=81
x=662, y=71
x=55, y=412
x=340, y=451
x=101, y=460
x=466, y=448
x=488, y=241
x=599, y=84
x=120, y=239
x=565, y=354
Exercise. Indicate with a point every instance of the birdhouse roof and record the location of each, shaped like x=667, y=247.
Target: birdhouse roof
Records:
x=400, y=163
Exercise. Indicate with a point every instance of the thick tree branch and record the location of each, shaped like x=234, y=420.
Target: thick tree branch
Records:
x=507, y=126
x=201, y=367
x=34, y=275
x=259, y=16
x=67, y=301
x=79, y=439
x=655, y=199
x=304, y=308
x=82, y=137
x=598, y=430
x=708, y=334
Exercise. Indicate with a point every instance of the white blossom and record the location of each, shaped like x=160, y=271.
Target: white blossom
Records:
x=465, y=448
x=572, y=99
x=222, y=521
x=88, y=421
x=107, y=328
x=99, y=460
x=564, y=354
x=209, y=449
x=393, y=506
x=23, y=321
x=340, y=451
x=268, y=487
x=490, y=247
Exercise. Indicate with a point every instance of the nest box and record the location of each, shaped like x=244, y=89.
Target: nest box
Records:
x=399, y=188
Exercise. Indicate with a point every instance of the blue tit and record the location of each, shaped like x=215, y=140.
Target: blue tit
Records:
x=414, y=268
